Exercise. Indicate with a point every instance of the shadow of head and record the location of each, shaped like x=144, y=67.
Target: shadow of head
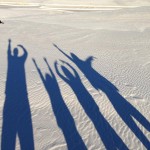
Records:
x=16, y=52
x=79, y=62
x=67, y=73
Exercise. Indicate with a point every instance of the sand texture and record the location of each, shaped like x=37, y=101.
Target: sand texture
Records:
x=81, y=80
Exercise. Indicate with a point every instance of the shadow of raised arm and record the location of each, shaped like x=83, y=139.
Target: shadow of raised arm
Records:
x=39, y=71
x=63, y=52
x=9, y=48
x=52, y=74
x=24, y=50
x=75, y=72
x=58, y=72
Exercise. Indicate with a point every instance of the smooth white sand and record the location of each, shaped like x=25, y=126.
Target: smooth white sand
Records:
x=120, y=41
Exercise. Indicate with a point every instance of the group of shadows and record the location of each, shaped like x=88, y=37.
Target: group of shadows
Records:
x=17, y=115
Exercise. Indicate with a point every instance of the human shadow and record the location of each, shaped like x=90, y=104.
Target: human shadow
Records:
x=125, y=110
x=63, y=116
x=109, y=137
x=16, y=112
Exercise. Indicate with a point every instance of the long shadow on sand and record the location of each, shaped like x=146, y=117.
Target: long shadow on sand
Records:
x=16, y=112
x=125, y=110
x=63, y=116
x=109, y=137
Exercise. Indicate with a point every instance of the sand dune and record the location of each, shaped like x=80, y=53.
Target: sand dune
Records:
x=85, y=82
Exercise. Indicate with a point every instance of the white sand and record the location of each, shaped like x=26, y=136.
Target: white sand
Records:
x=118, y=38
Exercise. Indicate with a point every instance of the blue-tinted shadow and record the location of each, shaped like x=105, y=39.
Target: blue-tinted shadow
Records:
x=16, y=112
x=124, y=109
x=109, y=137
x=63, y=116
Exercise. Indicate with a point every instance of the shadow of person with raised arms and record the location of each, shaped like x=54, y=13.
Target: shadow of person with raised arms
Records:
x=63, y=116
x=109, y=137
x=124, y=109
x=16, y=112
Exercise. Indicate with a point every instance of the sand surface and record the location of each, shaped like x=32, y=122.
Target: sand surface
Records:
x=95, y=103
